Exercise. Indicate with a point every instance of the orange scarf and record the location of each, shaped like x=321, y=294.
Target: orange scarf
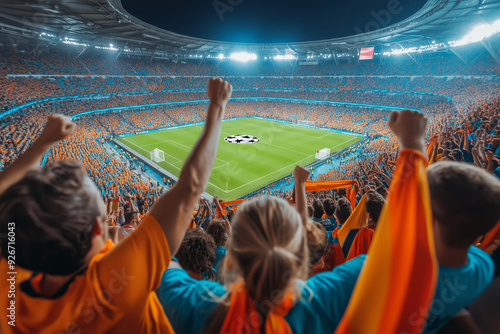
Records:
x=326, y=185
x=243, y=316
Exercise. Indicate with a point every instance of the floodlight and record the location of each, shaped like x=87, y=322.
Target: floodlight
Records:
x=243, y=56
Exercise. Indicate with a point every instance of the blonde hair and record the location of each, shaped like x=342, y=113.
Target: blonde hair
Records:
x=268, y=249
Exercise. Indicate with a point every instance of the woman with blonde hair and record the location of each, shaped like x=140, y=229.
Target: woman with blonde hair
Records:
x=267, y=264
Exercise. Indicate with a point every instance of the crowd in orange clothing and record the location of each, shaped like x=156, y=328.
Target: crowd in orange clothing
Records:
x=124, y=83
x=343, y=117
x=24, y=78
x=96, y=64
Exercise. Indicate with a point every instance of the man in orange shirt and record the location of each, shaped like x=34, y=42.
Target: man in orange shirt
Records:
x=80, y=283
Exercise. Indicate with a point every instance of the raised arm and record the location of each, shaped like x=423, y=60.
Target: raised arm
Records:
x=218, y=207
x=301, y=175
x=475, y=156
x=174, y=209
x=57, y=128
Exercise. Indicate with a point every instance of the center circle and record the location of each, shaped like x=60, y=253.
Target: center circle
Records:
x=242, y=139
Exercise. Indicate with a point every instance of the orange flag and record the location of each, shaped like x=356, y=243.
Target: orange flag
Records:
x=389, y=297
x=357, y=219
x=351, y=195
x=326, y=185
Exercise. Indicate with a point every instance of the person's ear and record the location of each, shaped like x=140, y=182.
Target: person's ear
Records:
x=97, y=228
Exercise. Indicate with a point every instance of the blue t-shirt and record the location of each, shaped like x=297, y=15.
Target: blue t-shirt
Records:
x=458, y=287
x=333, y=221
x=188, y=302
x=325, y=295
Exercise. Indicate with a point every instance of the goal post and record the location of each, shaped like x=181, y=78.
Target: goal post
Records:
x=323, y=154
x=157, y=155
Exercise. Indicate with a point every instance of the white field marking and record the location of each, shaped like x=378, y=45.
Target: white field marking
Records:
x=143, y=147
x=190, y=148
x=220, y=166
x=293, y=164
x=179, y=144
x=178, y=168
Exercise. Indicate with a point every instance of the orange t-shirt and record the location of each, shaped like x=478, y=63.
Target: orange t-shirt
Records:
x=115, y=294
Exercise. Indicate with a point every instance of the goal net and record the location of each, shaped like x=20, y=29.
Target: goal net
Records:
x=157, y=155
x=306, y=123
x=323, y=154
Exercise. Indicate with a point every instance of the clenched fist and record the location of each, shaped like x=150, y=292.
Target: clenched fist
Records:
x=58, y=127
x=219, y=91
x=300, y=174
x=409, y=126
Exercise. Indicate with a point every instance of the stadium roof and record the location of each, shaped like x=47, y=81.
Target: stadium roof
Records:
x=106, y=24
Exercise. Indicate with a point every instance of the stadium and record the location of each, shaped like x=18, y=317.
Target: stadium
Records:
x=149, y=119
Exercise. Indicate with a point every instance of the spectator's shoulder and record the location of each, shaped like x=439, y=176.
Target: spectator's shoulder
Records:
x=481, y=262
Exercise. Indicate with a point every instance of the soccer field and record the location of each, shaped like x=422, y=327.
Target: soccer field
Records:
x=241, y=168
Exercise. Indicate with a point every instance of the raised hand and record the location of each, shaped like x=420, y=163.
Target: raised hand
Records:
x=58, y=127
x=489, y=155
x=409, y=126
x=300, y=174
x=218, y=92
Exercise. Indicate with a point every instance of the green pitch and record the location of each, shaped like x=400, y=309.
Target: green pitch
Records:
x=241, y=168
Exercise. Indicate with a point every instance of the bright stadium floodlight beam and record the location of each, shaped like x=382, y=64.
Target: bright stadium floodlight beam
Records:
x=221, y=56
x=478, y=33
x=243, y=56
x=496, y=26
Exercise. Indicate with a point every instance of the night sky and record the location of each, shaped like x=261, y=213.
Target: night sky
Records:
x=268, y=21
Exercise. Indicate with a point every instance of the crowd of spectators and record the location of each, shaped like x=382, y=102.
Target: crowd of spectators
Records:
x=435, y=96
x=264, y=264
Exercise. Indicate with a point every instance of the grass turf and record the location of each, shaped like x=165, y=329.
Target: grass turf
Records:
x=243, y=168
